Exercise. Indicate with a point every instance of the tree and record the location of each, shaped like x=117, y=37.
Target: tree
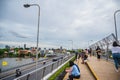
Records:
x=6, y=49
x=1, y=52
x=11, y=54
x=16, y=49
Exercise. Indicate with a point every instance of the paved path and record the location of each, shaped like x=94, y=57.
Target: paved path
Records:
x=103, y=69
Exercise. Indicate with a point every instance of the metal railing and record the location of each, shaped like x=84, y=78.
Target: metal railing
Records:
x=40, y=73
x=105, y=44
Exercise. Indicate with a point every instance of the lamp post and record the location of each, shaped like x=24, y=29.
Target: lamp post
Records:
x=115, y=24
x=26, y=6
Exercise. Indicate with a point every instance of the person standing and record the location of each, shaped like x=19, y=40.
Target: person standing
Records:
x=90, y=51
x=82, y=56
x=98, y=51
x=86, y=55
x=116, y=54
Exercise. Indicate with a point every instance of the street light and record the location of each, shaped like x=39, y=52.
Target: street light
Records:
x=26, y=6
x=115, y=24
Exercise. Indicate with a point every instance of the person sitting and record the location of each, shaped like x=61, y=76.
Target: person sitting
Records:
x=74, y=71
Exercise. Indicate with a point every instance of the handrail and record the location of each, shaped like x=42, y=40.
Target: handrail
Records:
x=63, y=61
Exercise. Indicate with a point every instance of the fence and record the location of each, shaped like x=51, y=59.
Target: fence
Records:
x=105, y=44
x=46, y=70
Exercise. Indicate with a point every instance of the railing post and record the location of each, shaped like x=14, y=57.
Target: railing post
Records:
x=43, y=71
x=61, y=61
x=58, y=63
x=28, y=77
x=52, y=67
x=107, y=52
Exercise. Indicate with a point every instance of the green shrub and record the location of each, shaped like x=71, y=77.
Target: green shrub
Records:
x=56, y=74
x=11, y=54
x=1, y=52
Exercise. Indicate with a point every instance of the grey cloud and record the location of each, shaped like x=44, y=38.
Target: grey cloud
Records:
x=17, y=34
x=61, y=19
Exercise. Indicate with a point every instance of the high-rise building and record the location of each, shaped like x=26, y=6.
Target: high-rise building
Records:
x=6, y=46
x=24, y=46
x=61, y=49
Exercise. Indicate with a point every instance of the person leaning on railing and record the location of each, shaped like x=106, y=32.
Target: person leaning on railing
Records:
x=116, y=54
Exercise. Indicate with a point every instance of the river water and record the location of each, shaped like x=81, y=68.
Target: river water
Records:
x=15, y=62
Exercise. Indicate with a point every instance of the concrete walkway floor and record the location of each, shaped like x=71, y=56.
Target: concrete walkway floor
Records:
x=103, y=69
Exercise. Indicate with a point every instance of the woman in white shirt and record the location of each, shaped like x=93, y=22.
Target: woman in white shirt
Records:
x=116, y=54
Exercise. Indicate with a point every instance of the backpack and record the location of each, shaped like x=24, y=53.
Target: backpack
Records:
x=77, y=67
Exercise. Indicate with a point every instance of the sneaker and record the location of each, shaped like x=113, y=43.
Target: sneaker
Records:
x=116, y=70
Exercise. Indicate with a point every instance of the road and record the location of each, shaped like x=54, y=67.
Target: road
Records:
x=10, y=75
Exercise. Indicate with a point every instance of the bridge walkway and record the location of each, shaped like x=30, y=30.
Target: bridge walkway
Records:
x=100, y=69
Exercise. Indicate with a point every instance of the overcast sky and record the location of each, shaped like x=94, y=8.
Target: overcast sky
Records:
x=61, y=22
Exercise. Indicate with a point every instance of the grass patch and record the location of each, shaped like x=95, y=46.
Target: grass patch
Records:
x=57, y=73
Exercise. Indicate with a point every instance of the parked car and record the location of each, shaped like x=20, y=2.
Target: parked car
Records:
x=54, y=59
x=58, y=58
